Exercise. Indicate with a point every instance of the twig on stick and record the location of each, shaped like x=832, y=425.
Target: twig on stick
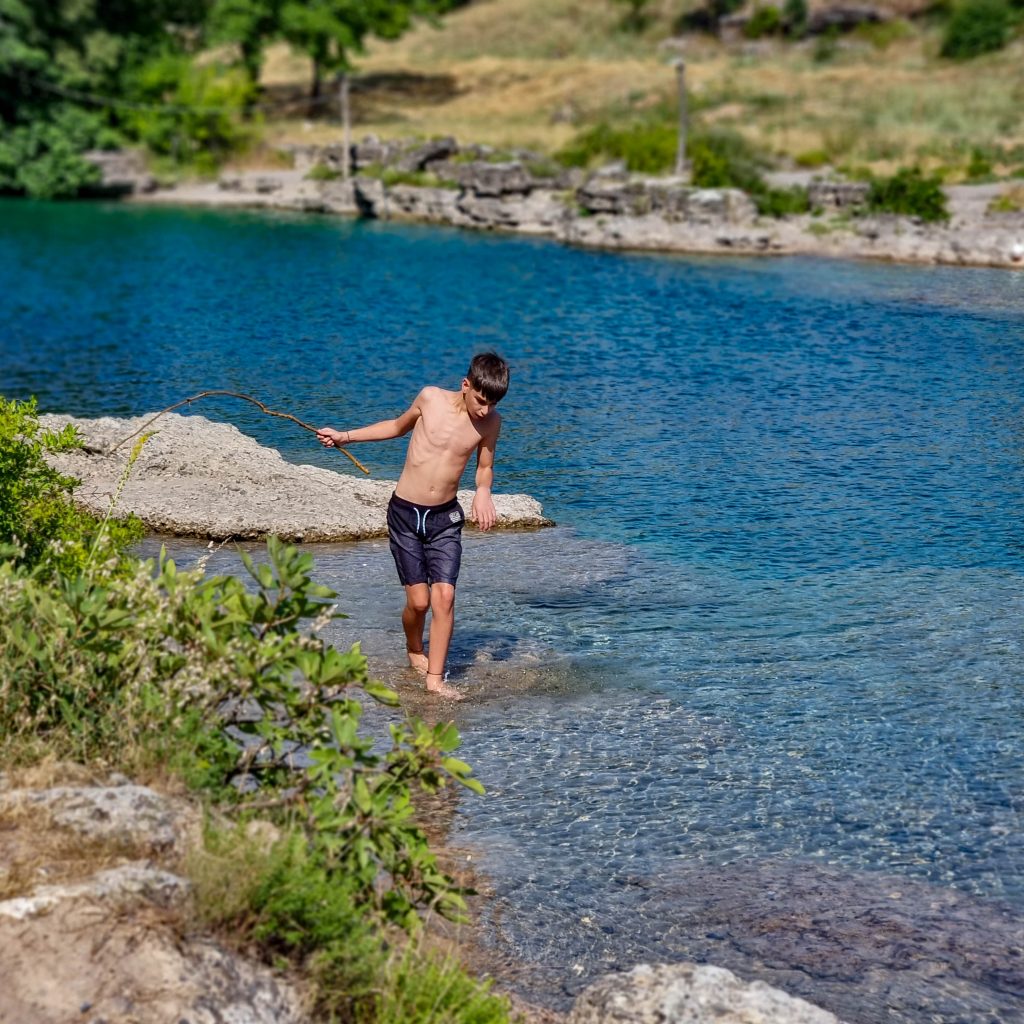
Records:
x=247, y=398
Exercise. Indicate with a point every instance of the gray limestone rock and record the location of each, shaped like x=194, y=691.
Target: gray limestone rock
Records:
x=129, y=883
x=198, y=478
x=689, y=994
x=838, y=195
x=122, y=172
x=130, y=814
x=489, y=179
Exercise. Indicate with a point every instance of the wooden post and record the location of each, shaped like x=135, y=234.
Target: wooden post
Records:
x=346, y=126
x=680, y=66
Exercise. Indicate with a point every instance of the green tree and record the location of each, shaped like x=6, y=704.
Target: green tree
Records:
x=635, y=18
x=65, y=72
x=248, y=24
x=330, y=31
x=977, y=27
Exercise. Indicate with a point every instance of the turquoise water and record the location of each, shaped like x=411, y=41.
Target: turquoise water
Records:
x=777, y=631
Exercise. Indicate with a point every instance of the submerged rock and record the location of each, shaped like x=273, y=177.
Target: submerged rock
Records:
x=198, y=478
x=689, y=994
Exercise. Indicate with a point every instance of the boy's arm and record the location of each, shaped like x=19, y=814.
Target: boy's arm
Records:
x=482, y=510
x=381, y=431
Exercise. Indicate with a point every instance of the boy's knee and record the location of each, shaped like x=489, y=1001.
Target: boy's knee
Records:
x=442, y=597
x=418, y=599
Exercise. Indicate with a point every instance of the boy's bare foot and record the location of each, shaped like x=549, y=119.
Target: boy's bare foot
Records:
x=436, y=684
x=418, y=661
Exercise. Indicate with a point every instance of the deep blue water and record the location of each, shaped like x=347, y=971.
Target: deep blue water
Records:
x=780, y=621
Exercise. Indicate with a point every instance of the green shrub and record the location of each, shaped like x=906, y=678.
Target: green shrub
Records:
x=42, y=158
x=794, y=17
x=765, y=21
x=979, y=168
x=812, y=158
x=782, y=202
x=419, y=988
x=193, y=114
x=723, y=159
x=911, y=193
x=37, y=516
x=977, y=27
x=321, y=172
x=647, y=147
x=826, y=46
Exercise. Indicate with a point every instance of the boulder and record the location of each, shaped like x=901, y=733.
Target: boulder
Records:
x=835, y=196
x=489, y=179
x=198, y=478
x=843, y=17
x=689, y=994
x=416, y=158
x=124, y=814
x=123, y=172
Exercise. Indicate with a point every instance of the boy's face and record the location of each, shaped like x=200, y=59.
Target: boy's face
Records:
x=477, y=405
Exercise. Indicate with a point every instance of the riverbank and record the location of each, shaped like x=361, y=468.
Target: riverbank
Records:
x=439, y=183
x=197, y=478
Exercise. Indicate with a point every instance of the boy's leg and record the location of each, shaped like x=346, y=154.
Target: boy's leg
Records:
x=442, y=622
x=414, y=615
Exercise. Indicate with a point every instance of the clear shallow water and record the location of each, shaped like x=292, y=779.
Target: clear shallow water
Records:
x=778, y=630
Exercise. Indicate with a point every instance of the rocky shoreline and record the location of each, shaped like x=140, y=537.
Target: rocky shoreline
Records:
x=95, y=925
x=198, y=478
x=441, y=182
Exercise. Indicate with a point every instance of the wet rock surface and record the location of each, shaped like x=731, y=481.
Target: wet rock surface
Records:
x=198, y=478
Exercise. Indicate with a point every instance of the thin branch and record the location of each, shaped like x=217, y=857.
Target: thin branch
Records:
x=247, y=398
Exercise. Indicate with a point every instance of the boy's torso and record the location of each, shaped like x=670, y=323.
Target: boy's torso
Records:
x=441, y=444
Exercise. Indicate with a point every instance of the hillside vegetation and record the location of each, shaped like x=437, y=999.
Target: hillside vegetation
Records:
x=535, y=73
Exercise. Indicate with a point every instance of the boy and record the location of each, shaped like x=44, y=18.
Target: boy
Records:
x=424, y=517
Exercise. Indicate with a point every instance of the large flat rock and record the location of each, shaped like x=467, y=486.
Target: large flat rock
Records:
x=198, y=478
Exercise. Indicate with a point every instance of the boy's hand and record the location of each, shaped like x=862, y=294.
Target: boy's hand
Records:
x=482, y=510
x=330, y=438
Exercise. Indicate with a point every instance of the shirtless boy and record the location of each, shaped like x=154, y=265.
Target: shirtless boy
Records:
x=425, y=518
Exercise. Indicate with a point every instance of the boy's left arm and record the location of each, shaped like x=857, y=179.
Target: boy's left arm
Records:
x=482, y=510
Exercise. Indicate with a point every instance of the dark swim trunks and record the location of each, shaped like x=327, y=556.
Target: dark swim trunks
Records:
x=426, y=540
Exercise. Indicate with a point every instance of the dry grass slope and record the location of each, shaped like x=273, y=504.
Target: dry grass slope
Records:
x=532, y=72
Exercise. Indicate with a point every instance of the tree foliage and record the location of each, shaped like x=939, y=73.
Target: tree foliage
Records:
x=83, y=74
x=977, y=27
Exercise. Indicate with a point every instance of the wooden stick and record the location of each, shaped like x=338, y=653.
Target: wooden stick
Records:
x=233, y=394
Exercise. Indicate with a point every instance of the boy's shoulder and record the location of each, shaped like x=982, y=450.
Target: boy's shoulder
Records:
x=432, y=394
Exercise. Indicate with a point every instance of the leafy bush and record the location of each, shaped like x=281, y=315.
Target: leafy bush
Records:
x=193, y=113
x=795, y=14
x=647, y=147
x=911, y=193
x=765, y=21
x=37, y=517
x=321, y=172
x=134, y=663
x=43, y=157
x=977, y=27
x=812, y=158
x=723, y=159
x=979, y=168
x=783, y=202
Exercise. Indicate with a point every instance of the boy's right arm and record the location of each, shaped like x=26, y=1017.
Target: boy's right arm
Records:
x=381, y=431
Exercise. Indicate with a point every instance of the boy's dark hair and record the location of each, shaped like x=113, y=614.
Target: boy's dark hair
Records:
x=488, y=373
